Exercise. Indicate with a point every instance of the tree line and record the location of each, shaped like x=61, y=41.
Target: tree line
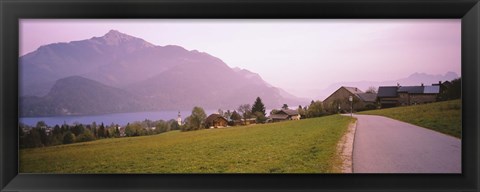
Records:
x=41, y=135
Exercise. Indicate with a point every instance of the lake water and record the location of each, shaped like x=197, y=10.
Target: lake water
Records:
x=116, y=118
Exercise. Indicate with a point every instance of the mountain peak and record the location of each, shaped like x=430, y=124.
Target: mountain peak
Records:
x=114, y=37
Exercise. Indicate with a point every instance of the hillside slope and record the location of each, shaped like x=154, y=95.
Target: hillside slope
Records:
x=444, y=117
x=76, y=95
x=305, y=146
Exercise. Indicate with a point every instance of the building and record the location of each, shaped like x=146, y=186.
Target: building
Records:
x=285, y=114
x=339, y=101
x=393, y=96
x=179, y=119
x=216, y=121
x=387, y=96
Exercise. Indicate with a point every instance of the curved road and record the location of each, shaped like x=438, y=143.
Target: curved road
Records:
x=384, y=145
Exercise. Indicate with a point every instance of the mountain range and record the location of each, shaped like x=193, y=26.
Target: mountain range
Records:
x=121, y=73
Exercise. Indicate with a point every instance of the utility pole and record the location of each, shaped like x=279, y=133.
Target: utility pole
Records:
x=351, y=106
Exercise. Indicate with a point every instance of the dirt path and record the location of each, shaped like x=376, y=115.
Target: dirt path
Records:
x=345, y=148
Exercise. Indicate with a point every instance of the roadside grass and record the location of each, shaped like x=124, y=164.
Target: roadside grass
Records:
x=444, y=117
x=304, y=146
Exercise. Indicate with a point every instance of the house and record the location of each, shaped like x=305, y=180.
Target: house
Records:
x=122, y=131
x=387, y=96
x=216, y=121
x=285, y=114
x=393, y=96
x=339, y=101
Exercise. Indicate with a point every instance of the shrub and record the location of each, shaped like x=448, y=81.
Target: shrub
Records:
x=68, y=138
x=86, y=136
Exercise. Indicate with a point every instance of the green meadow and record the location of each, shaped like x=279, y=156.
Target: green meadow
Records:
x=304, y=146
x=444, y=117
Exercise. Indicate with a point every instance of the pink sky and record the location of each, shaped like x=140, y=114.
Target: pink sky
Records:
x=300, y=56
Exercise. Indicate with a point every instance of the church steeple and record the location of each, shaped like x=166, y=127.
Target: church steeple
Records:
x=179, y=119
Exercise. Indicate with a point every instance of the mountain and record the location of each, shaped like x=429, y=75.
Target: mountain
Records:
x=412, y=80
x=209, y=83
x=40, y=69
x=155, y=77
x=77, y=95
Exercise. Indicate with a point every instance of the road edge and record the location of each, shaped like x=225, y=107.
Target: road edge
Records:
x=345, y=148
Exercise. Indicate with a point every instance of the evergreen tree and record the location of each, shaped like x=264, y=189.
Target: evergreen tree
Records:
x=32, y=139
x=107, y=133
x=235, y=116
x=117, y=131
x=285, y=106
x=101, y=131
x=454, y=91
x=94, y=129
x=258, y=106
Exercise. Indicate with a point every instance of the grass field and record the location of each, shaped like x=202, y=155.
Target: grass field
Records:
x=305, y=146
x=444, y=117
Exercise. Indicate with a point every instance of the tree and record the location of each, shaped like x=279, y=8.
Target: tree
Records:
x=68, y=138
x=258, y=107
x=32, y=139
x=173, y=124
x=162, y=126
x=107, y=133
x=301, y=111
x=245, y=110
x=285, y=106
x=228, y=114
x=371, y=90
x=186, y=126
x=77, y=129
x=129, y=131
x=94, y=129
x=117, y=131
x=235, y=116
x=196, y=120
x=101, y=131
x=41, y=125
x=260, y=117
x=220, y=112
x=315, y=109
x=454, y=91
x=87, y=135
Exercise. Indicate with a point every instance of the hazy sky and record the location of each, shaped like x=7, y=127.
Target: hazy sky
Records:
x=301, y=56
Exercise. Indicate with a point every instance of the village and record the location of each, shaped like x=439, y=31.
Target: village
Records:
x=344, y=100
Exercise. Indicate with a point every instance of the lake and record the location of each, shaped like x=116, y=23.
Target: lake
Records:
x=116, y=118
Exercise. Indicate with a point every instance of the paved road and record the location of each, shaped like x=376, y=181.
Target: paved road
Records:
x=384, y=145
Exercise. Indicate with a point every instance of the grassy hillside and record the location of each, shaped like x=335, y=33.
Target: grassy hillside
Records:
x=305, y=146
x=444, y=117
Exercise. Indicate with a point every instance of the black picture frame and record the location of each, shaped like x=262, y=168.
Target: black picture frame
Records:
x=13, y=10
